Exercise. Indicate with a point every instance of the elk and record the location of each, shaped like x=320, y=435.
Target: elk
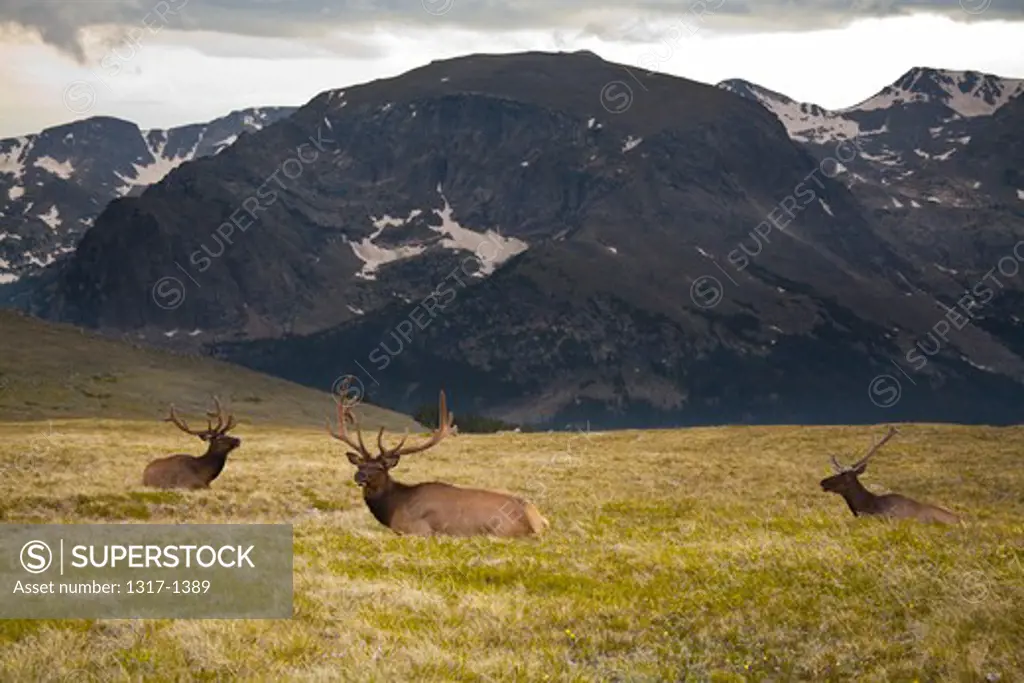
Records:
x=430, y=508
x=892, y=505
x=189, y=472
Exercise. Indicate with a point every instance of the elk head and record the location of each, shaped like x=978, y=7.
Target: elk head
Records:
x=215, y=435
x=372, y=470
x=845, y=478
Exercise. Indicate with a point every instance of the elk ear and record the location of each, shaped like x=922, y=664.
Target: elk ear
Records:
x=860, y=469
x=353, y=458
x=390, y=461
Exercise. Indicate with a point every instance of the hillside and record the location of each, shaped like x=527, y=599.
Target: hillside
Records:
x=53, y=371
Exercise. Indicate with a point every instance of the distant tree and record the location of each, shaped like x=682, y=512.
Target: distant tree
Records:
x=426, y=415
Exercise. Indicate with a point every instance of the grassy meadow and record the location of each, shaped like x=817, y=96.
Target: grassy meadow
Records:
x=688, y=555
x=58, y=371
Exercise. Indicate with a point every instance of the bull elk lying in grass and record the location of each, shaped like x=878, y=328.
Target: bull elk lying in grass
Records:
x=434, y=507
x=893, y=505
x=189, y=472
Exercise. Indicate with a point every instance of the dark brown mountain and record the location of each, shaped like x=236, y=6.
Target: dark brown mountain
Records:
x=677, y=260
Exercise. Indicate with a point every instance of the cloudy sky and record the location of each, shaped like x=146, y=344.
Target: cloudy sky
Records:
x=168, y=62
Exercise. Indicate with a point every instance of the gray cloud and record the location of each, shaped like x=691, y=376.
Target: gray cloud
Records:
x=60, y=22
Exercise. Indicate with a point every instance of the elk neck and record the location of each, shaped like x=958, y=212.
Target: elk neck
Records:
x=212, y=462
x=385, y=498
x=859, y=499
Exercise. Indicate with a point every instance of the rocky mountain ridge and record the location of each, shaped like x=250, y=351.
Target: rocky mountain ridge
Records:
x=908, y=134
x=490, y=224
x=54, y=184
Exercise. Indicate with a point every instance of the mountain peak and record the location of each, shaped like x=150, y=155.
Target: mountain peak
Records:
x=745, y=88
x=578, y=84
x=967, y=93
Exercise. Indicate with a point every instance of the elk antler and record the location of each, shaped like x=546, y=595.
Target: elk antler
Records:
x=183, y=426
x=874, y=449
x=217, y=413
x=444, y=426
x=221, y=427
x=345, y=415
x=210, y=431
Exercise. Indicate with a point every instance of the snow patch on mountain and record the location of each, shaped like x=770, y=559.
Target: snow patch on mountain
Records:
x=984, y=368
x=43, y=262
x=490, y=248
x=373, y=256
x=51, y=217
x=5, y=276
x=61, y=169
x=157, y=169
x=887, y=158
x=228, y=141
x=12, y=161
x=877, y=131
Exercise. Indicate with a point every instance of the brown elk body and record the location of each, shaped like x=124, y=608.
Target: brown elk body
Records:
x=190, y=472
x=431, y=508
x=892, y=505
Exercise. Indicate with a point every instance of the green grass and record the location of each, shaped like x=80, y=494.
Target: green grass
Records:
x=58, y=371
x=695, y=555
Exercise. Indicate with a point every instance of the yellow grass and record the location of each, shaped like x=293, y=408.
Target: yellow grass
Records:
x=702, y=554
